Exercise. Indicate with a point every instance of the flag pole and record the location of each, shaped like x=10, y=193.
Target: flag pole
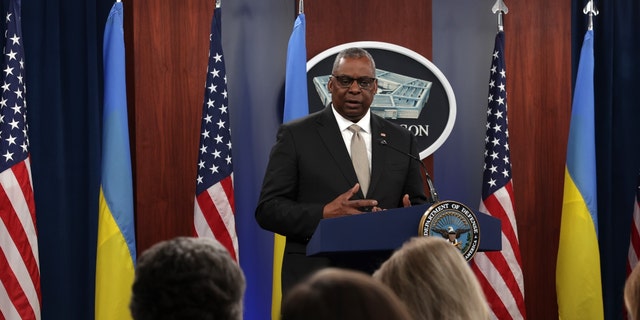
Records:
x=218, y=3
x=501, y=9
x=301, y=7
x=591, y=10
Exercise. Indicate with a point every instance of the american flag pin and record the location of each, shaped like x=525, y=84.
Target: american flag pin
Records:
x=382, y=134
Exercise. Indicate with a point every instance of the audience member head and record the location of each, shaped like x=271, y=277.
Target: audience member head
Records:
x=333, y=293
x=632, y=294
x=434, y=280
x=187, y=278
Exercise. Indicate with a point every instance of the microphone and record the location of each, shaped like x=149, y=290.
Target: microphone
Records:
x=432, y=190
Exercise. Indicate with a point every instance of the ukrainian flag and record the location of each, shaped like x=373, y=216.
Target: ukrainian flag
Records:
x=578, y=280
x=296, y=105
x=116, y=251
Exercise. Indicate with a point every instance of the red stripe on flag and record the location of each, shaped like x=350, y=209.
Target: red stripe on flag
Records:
x=23, y=176
x=495, y=303
x=227, y=186
x=214, y=221
x=496, y=208
x=16, y=294
x=500, y=263
x=18, y=236
x=634, y=248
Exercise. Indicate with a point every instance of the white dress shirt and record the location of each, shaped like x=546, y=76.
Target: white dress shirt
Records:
x=365, y=132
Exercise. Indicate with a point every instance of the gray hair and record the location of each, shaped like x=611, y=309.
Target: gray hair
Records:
x=353, y=53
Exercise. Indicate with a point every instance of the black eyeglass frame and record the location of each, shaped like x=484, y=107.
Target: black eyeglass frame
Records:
x=364, y=83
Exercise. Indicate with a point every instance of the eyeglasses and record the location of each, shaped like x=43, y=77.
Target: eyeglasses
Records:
x=364, y=83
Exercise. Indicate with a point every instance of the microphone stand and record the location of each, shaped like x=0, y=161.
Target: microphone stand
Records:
x=432, y=190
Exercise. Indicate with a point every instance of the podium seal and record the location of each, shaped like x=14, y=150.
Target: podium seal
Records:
x=454, y=222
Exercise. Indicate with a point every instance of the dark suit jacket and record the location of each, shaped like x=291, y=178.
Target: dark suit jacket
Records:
x=309, y=166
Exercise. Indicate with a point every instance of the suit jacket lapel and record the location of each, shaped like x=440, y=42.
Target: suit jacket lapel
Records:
x=378, y=152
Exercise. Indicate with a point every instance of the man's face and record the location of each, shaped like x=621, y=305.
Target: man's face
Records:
x=352, y=102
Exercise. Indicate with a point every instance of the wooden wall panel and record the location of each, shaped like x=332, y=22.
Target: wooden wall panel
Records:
x=538, y=49
x=403, y=22
x=169, y=49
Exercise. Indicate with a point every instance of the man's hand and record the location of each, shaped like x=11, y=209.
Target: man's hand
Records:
x=405, y=201
x=342, y=206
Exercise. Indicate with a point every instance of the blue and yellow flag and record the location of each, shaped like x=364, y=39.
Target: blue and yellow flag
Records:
x=116, y=251
x=578, y=279
x=296, y=105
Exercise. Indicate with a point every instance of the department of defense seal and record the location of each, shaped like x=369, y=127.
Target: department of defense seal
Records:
x=455, y=222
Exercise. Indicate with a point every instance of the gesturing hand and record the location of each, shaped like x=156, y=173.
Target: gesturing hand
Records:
x=405, y=201
x=342, y=205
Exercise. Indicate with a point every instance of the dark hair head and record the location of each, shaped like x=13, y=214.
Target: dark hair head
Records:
x=342, y=294
x=187, y=278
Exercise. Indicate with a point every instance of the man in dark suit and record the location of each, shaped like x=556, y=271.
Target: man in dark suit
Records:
x=310, y=175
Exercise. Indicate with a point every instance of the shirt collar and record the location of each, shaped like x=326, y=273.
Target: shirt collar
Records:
x=343, y=123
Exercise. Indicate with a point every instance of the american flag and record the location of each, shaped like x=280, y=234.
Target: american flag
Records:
x=500, y=273
x=634, y=243
x=19, y=266
x=214, y=204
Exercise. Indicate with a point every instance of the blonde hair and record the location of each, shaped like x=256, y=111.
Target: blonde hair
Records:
x=632, y=293
x=434, y=280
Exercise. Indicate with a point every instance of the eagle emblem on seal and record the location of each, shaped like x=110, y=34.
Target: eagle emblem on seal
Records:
x=452, y=234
